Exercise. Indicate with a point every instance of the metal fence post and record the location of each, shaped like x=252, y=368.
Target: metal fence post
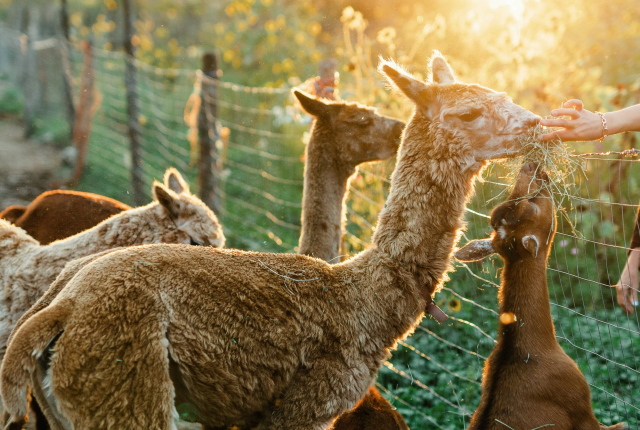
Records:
x=137, y=185
x=208, y=175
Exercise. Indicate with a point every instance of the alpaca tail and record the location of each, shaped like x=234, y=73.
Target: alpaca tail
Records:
x=20, y=360
x=619, y=426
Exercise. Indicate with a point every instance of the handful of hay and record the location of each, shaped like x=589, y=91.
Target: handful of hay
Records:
x=555, y=159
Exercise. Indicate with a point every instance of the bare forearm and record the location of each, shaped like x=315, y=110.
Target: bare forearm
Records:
x=627, y=119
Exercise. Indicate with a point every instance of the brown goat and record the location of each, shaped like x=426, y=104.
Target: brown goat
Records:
x=58, y=214
x=528, y=380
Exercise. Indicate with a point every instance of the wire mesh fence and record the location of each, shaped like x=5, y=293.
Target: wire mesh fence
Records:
x=434, y=376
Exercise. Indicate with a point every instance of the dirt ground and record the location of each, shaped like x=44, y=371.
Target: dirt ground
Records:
x=26, y=166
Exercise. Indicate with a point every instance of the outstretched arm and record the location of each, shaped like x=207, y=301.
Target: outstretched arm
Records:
x=586, y=125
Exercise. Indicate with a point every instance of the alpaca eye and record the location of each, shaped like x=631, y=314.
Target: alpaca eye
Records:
x=193, y=242
x=469, y=116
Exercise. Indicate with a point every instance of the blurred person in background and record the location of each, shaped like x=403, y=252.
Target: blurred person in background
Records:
x=582, y=125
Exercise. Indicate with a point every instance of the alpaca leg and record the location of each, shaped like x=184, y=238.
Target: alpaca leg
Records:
x=318, y=395
x=39, y=416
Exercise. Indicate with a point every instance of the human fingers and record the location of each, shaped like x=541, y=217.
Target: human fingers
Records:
x=635, y=285
x=622, y=302
x=555, y=122
x=573, y=113
x=563, y=135
x=574, y=103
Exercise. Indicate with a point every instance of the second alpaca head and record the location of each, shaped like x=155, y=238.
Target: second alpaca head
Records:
x=193, y=223
x=356, y=132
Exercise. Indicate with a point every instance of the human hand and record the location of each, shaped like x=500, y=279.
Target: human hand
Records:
x=583, y=125
x=627, y=287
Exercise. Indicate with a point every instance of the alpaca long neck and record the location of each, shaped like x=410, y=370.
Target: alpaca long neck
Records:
x=325, y=189
x=424, y=215
x=524, y=293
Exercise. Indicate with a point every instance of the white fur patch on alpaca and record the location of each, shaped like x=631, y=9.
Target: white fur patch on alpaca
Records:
x=502, y=232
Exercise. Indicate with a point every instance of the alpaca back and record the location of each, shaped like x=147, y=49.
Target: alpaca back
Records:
x=28, y=269
x=14, y=240
x=58, y=214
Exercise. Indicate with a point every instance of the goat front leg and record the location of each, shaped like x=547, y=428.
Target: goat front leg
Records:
x=317, y=395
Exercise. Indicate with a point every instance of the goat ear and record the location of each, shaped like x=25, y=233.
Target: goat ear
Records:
x=531, y=244
x=312, y=105
x=475, y=250
x=418, y=92
x=174, y=181
x=167, y=199
x=441, y=71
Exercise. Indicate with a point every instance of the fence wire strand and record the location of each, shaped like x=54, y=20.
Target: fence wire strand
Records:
x=260, y=170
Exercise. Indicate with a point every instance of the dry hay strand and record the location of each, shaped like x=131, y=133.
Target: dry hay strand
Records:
x=556, y=160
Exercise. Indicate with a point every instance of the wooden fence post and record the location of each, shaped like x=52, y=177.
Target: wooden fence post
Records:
x=137, y=184
x=208, y=175
x=66, y=67
x=31, y=83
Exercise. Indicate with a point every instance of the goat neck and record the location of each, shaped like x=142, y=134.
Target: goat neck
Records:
x=524, y=294
x=326, y=180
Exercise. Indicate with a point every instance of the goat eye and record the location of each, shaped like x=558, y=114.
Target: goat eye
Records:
x=469, y=116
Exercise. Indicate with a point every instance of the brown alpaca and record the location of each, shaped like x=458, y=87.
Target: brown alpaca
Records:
x=343, y=136
x=528, y=380
x=278, y=341
x=12, y=213
x=58, y=214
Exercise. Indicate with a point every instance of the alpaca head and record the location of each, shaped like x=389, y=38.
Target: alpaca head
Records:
x=464, y=123
x=190, y=221
x=524, y=225
x=355, y=133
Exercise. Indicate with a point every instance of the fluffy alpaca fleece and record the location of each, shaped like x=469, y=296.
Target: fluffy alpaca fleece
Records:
x=58, y=214
x=28, y=268
x=528, y=381
x=343, y=136
x=332, y=156
x=274, y=340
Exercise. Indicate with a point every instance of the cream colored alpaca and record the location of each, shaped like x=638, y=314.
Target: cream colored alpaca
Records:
x=230, y=332
x=27, y=268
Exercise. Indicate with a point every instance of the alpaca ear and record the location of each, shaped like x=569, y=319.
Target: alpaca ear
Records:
x=167, y=199
x=421, y=94
x=312, y=105
x=442, y=73
x=475, y=250
x=174, y=181
x=531, y=244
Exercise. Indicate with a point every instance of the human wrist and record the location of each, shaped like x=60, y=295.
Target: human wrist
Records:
x=614, y=125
